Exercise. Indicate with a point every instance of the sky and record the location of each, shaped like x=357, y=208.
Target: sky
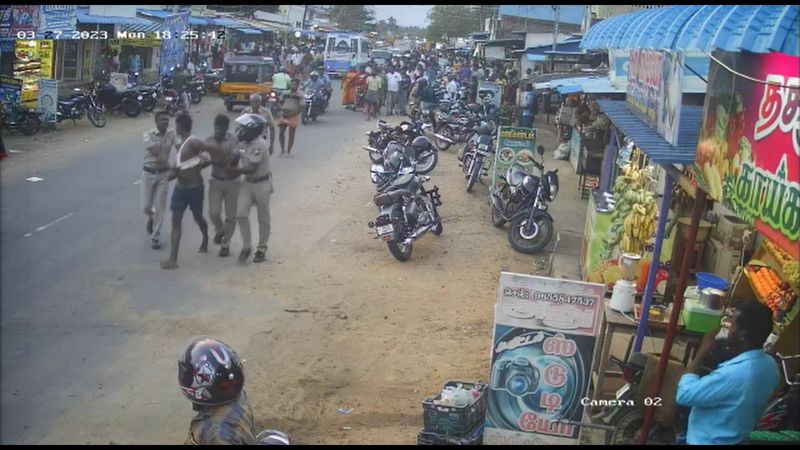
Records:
x=406, y=15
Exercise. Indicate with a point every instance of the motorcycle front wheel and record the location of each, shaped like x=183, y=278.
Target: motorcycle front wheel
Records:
x=304, y=117
x=401, y=251
x=196, y=97
x=97, y=117
x=539, y=240
x=474, y=174
x=427, y=164
x=628, y=424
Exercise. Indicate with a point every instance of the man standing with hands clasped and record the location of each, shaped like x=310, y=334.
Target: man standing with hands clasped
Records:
x=224, y=184
x=727, y=403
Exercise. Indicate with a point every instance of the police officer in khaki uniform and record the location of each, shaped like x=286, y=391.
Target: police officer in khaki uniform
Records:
x=257, y=185
x=224, y=184
x=256, y=108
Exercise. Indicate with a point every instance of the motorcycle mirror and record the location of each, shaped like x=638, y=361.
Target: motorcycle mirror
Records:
x=540, y=150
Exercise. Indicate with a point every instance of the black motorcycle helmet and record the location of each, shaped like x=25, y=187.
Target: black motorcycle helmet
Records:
x=486, y=128
x=420, y=143
x=210, y=372
x=392, y=158
x=251, y=126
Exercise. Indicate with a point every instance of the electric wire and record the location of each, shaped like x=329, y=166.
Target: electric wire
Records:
x=741, y=75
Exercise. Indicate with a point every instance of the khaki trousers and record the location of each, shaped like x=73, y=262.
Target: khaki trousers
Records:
x=154, y=198
x=228, y=191
x=254, y=194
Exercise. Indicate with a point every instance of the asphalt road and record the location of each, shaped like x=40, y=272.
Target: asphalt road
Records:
x=77, y=273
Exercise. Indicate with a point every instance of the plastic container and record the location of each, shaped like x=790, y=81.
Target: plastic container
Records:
x=698, y=319
x=475, y=437
x=705, y=279
x=454, y=421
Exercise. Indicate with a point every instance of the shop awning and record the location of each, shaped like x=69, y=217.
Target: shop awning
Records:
x=247, y=30
x=536, y=57
x=223, y=22
x=649, y=141
x=754, y=28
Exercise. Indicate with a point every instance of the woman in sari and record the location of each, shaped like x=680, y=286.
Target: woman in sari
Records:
x=349, y=87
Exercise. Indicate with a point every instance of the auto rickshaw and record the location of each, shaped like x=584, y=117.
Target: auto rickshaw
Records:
x=244, y=76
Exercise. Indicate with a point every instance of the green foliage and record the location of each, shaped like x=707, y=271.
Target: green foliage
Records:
x=454, y=21
x=353, y=17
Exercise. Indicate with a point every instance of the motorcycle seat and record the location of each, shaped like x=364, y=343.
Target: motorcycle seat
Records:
x=390, y=197
x=68, y=101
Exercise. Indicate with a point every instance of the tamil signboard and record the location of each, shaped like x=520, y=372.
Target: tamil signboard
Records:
x=47, y=100
x=748, y=154
x=57, y=21
x=515, y=146
x=654, y=89
x=542, y=354
x=173, y=50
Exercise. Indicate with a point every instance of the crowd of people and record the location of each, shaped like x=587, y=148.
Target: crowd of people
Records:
x=411, y=79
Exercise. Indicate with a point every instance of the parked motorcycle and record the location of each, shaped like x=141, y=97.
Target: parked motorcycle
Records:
x=406, y=212
x=406, y=134
x=476, y=156
x=19, y=117
x=196, y=89
x=78, y=105
x=522, y=202
x=378, y=140
x=212, y=78
x=107, y=96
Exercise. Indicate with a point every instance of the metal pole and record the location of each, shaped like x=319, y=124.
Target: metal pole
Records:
x=666, y=195
x=555, y=38
x=677, y=304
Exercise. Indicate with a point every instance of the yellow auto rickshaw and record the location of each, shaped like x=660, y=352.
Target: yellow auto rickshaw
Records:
x=243, y=76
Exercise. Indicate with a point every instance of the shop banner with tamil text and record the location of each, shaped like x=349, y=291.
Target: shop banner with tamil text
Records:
x=57, y=21
x=654, y=89
x=21, y=19
x=542, y=354
x=748, y=155
x=515, y=146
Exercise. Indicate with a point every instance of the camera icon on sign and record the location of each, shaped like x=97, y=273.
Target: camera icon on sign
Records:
x=519, y=377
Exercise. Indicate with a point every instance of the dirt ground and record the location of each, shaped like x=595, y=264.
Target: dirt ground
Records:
x=331, y=321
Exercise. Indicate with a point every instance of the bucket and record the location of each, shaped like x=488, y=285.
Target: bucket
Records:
x=699, y=319
x=709, y=280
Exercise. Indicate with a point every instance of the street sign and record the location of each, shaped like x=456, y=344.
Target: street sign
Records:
x=515, y=146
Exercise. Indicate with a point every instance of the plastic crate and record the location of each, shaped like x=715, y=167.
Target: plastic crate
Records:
x=453, y=421
x=474, y=438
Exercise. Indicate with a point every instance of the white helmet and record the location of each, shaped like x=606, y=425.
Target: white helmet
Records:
x=368, y=71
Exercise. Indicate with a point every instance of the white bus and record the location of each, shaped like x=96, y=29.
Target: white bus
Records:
x=339, y=51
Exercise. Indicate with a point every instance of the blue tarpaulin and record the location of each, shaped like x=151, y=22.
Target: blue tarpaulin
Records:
x=248, y=30
x=754, y=28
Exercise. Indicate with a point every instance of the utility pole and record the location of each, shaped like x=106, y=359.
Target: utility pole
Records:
x=305, y=12
x=555, y=38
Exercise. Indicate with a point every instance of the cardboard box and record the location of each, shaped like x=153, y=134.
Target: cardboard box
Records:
x=665, y=403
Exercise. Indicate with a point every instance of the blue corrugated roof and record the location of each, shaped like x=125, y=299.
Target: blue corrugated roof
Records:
x=223, y=22
x=587, y=84
x=248, y=30
x=83, y=16
x=755, y=28
x=649, y=141
x=572, y=45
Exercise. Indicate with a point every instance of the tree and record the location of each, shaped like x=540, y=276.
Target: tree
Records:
x=391, y=24
x=454, y=21
x=353, y=17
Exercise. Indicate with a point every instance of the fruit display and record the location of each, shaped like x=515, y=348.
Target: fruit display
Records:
x=633, y=221
x=771, y=290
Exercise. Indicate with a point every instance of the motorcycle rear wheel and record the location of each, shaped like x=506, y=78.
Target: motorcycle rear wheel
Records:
x=304, y=117
x=529, y=246
x=442, y=145
x=196, y=98
x=628, y=425
x=97, y=117
x=425, y=166
x=30, y=125
x=132, y=108
x=400, y=251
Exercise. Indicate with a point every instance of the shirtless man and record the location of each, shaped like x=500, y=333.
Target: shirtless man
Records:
x=189, y=189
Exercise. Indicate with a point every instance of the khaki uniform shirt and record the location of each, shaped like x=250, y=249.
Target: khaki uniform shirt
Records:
x=254, y=152
x=229, y=424
x=153, y=158
x=219, y=166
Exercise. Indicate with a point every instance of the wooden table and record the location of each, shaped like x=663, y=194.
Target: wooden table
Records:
x=614, y=321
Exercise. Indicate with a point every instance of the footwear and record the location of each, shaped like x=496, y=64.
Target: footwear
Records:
x=218, y=237
x=244, y=255
x=166, y=265
x=150, y=226
x=224, y=251
x=155, y=244
x=260, y=256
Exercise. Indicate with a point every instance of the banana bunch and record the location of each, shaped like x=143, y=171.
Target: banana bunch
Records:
x=640, y=224
x=791, y=273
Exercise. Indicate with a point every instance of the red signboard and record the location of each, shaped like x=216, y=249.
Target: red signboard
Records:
x=748, y=155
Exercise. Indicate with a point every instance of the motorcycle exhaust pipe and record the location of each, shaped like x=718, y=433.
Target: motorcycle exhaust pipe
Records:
x=418, y=233
x=443, y=138
x=370, y=149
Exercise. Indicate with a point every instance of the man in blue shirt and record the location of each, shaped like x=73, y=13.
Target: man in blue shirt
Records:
x=727, y=403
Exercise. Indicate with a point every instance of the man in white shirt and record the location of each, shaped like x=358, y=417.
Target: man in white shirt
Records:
x=392, y=88
x=452, y=89
x=191, y=68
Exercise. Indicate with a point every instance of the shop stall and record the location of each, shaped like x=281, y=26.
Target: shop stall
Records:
x=33, y=60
